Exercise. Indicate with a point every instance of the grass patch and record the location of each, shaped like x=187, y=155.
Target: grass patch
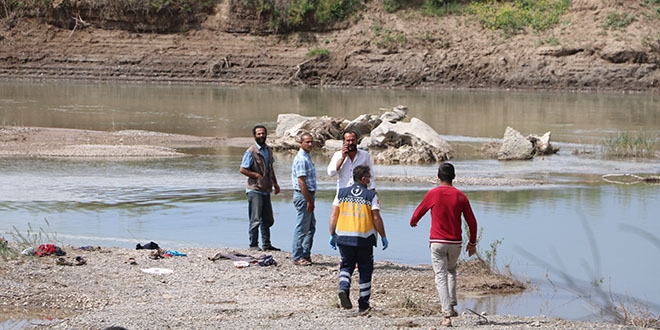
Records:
x=619, y=21
x=629, y=145
x=33, y=238
x=320, y=52
x=512, y=17
x=441, y=8
x=6, y=252
x=553, y=41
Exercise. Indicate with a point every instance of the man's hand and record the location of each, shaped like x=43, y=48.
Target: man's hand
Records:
x=471, y=249
x=277, y=188
x=333, y=242
x=385, y=242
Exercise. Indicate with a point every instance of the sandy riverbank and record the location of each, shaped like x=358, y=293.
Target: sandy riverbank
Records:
x=203, y=294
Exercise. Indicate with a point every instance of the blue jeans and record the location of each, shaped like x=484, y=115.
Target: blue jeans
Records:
x=260, y=214
x=303, y=235
x=363, y=256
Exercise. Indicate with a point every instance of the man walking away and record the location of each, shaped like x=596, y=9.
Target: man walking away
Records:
x=447, y=204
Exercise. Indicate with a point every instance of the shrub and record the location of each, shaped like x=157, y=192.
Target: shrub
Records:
x=511, y=17
x=617, y=21
x=321, y=52
x=628, y=145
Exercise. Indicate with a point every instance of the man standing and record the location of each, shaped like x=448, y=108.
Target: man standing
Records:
x=344, y=161
x=303, y=176
x=257, y=165
x=447, y=204
x=354, y=222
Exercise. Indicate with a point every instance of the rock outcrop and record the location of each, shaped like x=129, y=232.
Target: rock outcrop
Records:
x=388, y=139
x=517, y=147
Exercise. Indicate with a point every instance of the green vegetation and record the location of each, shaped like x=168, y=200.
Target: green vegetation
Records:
x=391, y=6
x=629, y=145
x=386, y=38
x=441, y=8
x=618, y=21
x=512, y=17
x=30, y=238
x=296, y=15
x=33, y=238
x=321, y=52
x=549, y=41
x=486, y=258
x=5, y=251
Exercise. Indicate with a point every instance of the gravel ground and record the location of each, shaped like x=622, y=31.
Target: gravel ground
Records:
x=203, y=294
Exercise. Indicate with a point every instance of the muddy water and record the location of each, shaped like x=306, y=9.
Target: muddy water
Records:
x=572, y=236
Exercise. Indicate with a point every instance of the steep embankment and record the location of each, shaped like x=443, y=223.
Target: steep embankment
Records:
x=376, y=49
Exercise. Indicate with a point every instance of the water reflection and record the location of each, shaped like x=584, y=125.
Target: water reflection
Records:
x=231, y=111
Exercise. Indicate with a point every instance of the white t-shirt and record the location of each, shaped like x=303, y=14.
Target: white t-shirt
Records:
x=345, y=174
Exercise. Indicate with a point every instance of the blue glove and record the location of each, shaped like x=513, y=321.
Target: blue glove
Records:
x=333, y=242
x=385, y=242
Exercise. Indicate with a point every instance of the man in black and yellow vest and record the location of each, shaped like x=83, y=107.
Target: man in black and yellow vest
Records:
x=355, y=223
x=257, y=165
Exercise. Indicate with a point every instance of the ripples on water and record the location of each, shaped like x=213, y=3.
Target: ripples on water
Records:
x=199, y=201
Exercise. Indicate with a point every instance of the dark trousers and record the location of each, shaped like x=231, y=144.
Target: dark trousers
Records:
x=260, y=214
x=363, y=257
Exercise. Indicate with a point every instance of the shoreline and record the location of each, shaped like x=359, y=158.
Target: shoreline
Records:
x=203, y=294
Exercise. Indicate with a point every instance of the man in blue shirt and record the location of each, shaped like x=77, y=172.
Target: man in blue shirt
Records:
x=303, y=177
x=257, y=165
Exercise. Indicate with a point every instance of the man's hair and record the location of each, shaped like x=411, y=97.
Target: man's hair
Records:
x=350, y=131
x=254, y=129
x=304, y=135
x=359, y=172
x=446, y=172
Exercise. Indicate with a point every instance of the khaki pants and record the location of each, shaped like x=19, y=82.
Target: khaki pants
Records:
x=445, y=260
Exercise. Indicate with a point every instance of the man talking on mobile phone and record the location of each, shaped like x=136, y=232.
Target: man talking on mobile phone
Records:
x=348, y=158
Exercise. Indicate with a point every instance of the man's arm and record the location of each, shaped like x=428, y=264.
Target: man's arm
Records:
x=334, y=216
x=248, y=173
x=246, y=163
x=335, y=163
x=274, y=178
x=306, y=193
x=372, y=182
x=378, y=223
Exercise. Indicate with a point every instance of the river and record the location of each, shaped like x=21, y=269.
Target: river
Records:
x=571, y=238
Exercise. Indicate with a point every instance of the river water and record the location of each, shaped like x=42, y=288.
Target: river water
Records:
x=573, y=238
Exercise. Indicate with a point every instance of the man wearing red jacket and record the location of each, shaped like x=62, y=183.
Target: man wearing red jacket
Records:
x=447, y=204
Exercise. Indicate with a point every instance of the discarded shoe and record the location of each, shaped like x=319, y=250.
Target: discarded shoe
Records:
x=80, y=261
x=63, y=262
x=131, y=261
x=217, y=256
x=156, y=254
x=344, y=300
x=267, y=261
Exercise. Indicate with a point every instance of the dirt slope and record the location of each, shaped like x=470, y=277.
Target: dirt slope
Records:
x=379, y=49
